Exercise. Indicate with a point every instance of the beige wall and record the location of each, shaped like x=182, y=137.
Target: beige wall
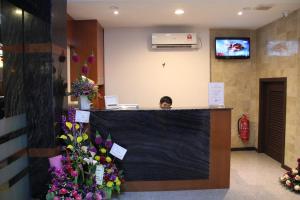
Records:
x=239, y=80
x=285, y=29
x=134, y=71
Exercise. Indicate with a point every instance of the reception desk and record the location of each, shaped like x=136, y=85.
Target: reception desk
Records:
x=170, y=149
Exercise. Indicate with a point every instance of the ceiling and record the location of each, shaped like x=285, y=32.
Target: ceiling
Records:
x=204, y=13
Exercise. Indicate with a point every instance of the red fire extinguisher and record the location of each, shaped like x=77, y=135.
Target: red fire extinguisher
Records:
x=243, y=128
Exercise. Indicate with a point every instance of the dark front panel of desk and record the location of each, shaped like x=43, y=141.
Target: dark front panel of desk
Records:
x=162, y=144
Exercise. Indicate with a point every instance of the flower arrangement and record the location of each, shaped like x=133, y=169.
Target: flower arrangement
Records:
x=291, y=179
x=83, y=85
x=73, y=174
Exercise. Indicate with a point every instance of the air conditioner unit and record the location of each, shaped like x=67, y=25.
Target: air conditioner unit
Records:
x=174, y=40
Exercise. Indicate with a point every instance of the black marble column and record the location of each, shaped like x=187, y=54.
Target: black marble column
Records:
x=35, y=75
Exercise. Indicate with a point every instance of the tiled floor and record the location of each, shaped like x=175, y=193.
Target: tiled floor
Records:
x=253, y=177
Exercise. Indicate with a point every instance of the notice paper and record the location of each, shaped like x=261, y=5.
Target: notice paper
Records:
x=99, y=174
x=216, y=94
x=118, y=151
x=82, y=116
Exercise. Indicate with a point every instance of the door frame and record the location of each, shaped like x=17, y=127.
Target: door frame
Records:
x=263, y=81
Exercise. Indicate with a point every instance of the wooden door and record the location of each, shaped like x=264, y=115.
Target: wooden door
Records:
x=272, y=117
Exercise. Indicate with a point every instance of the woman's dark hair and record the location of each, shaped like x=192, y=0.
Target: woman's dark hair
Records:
x=166, y=99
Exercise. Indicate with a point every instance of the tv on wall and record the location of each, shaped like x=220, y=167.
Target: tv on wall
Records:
x=232, y=48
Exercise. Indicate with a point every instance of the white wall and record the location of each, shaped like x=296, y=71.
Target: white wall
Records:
x=134, y=71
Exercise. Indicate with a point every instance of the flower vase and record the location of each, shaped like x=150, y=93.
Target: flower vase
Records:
x=84, y=103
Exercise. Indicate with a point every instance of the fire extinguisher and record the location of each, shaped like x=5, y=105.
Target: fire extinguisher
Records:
x=243, y=128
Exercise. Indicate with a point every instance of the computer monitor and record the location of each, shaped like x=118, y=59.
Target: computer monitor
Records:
x=111, y=102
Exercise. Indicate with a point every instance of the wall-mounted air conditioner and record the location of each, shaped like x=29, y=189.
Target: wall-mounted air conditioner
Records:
x=174, y=40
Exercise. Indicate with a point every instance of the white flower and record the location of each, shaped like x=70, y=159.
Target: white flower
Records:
x=87, y=160
x=286, y=176
x=84, y=149
x=282, y=178
x=297, y=178
x=297, y=187
x=294, y=171
x=92, y=153
x=288, y=182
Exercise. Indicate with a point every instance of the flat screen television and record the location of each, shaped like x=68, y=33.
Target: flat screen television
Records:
x=232, y=48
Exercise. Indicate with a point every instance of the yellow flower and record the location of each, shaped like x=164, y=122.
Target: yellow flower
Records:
x=71, y=137
x=118, y=183
x=97, y=158
x=63, y=137
x=79, y=139
x=70, y=147
x=117, y=179
x=85, y=136
x=77, y=126
x=109, y=184
x=69, y=125
x=108, y=159
x=108, y=171
x=103, y=150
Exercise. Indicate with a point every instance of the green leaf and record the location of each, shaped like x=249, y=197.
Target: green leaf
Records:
x=50, y=196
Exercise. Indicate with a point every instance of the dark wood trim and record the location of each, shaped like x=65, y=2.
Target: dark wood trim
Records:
x=260, y=126
x=12, y=158
x=43, y=152
x=219, y=173
x=244, y=149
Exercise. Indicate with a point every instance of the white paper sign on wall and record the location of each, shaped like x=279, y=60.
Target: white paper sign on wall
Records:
x=216, y=94
x=82, y=116
x=118, y=151
x=99, y=174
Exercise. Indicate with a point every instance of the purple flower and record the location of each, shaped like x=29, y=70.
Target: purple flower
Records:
x=89, y=196
x=98, y=139
x=93, y=149
x=71, y=115
x=108, y=142
x=85, y=69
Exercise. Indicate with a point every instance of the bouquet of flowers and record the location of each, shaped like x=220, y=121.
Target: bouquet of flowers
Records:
x=83, y=85
x=73, y=173
x=291, y=179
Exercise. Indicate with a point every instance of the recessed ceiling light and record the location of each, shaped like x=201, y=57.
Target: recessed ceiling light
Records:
x=179, y=12
x=18, y=12
x=115, y=10
x=240, y=13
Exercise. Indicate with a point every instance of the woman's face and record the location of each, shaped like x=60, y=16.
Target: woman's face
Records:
x=165, y=105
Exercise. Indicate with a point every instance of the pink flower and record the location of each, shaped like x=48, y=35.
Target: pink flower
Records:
x=75, y=57
x=85, y=69
x=74, y=173
x=78, y=197
x=98, y=196
x=91, y=58
x=63, y=191
x=56, y=198
x=74, y=193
